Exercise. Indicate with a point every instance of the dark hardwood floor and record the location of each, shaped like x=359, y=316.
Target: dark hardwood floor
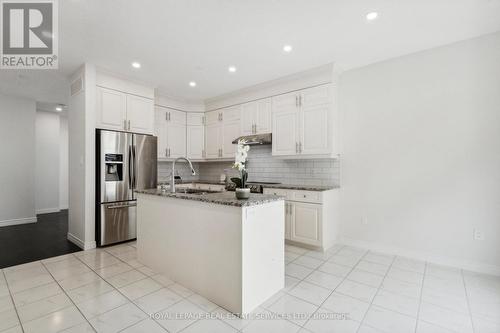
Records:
x=20, y=244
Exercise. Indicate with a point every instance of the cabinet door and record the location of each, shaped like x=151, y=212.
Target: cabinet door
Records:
x=231, y=132
x=248, y=116
x=285, y=124
x=288, y=220
x=213, y=142
x=161, y=132
x=176, y=140
x=232, y=113
x=213, y=117
x=111, y=109
x=306, y=223
x=195, y=142
x=140, y=114
x=263, y=116
x=315, y=109
x=176, y=117
x=195, y=118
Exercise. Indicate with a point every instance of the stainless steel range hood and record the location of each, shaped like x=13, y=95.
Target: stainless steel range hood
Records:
x=256, y=139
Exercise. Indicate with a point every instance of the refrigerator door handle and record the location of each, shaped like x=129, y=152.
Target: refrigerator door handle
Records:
x=121, y=206
x=130, y=168
x=134, y=179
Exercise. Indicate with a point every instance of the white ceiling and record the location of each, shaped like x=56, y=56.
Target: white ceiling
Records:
x=180, y=41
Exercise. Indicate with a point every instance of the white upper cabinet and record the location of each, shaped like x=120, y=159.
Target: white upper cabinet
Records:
x=170, y=127
x=195, y=143
x=123, y=105
x=222, y=127
x=302, y=122
x=231, y=130
x=248, y=116
x=213, y=140
x=111, y=109
x=263, y=124
x=140, y=117
x=315, y=106
x=256, y=117
x=285, y=125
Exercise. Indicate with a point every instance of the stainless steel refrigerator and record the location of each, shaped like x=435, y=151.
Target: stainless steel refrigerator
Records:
x=125, y=162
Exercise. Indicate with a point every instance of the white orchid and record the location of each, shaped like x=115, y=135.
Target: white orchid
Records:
x=241, y=155
x=240, y=161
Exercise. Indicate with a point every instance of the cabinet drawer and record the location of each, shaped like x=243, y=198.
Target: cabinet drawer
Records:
x=307, y=196
x=281, y=192
x=210, y=187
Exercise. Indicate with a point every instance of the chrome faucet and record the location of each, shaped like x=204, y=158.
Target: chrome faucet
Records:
x=172, y=179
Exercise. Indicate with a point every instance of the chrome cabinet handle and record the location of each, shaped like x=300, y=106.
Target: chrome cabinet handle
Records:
x=129, y=125
x=125, y=124
x=300, y=147
x=300, y=100
x=296, y=101
x=166, y=152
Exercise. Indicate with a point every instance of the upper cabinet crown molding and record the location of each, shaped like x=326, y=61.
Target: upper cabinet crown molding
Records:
x=313, y=77
x=179, y=104
x=114, y=82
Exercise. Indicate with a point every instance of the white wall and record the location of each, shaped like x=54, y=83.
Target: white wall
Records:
x=51, y=172
x=17, y=160
x=47, y=162
x=81, y=129
x=421, y=155
x=63, y=162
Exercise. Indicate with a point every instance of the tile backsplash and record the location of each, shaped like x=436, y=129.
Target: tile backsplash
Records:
x=263, y=167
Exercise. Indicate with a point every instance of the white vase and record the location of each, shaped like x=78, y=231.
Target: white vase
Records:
x=242, y=193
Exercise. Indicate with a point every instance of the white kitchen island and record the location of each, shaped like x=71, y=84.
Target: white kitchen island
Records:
x=229, y=251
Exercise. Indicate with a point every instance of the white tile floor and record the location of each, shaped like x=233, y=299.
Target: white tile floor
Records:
x=343, y=290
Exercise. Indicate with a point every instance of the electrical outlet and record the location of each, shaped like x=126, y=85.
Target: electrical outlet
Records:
x=364, y=220
x=478, y=235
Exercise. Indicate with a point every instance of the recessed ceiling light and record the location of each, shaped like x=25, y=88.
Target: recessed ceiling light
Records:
x=135, y=64
x=371, y=16
x=287, y=48
x=59, y=108
x=192, y=84
x=231, y=69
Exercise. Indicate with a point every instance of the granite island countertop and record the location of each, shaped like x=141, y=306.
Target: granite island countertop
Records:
x=221, y=198
x=265, y=185
x=300, y=187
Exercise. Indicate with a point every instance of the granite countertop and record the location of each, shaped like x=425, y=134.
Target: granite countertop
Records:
x=300, y=187
x=177, y=182
x=221, y=198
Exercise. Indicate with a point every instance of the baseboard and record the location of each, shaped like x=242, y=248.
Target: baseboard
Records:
x=47, y=210
x=26, y=220
x=80, y=243
x=419, y=255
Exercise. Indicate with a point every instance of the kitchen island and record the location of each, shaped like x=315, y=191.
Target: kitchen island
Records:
x=227, y=250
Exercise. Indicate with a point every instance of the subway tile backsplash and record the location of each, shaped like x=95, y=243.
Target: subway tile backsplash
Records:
x=263, y=167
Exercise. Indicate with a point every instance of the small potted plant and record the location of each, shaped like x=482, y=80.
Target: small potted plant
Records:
x=240, y=164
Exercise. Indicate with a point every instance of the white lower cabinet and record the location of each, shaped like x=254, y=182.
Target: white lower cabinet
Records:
x=311, y=217
x=306, y=223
